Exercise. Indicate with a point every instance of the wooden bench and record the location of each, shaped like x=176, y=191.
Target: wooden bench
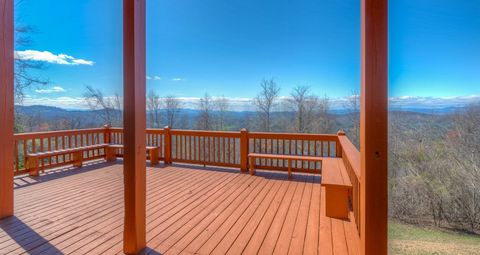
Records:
x=338, y=188
x=289, y=158
x=32, y=160
x=111, y=153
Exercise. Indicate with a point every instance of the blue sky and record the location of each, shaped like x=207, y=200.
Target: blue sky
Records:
x=227, y=47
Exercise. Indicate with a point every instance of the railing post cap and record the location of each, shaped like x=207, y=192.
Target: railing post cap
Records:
x=107, y=126
x=166, y=127
x=341, y=132
x=243, y=130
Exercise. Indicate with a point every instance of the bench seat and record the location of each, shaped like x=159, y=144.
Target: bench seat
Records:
x=111, y=153
x=32, y=160
x=289, y=158
x=338, y=188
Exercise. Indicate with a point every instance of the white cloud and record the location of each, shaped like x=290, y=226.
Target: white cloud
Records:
x=178, y=79
x=155, y=78
x=47, y=56
x=73, y=103
x=56, y=89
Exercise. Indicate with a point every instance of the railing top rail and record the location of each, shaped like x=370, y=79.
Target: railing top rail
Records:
x=120, y=129
x=351, y=153
x=323, y=137
x=205, y=133
x=57, y=133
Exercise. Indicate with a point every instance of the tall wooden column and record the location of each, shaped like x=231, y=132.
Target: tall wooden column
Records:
x=134, y=121
x=374, y=127
x=6, y=108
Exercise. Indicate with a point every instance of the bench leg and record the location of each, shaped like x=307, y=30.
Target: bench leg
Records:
x=78, y=159
x=32, y=164
x=336, y=201
x=110, y=154
x=252, y=165
x=289, y=169
x=153, y=153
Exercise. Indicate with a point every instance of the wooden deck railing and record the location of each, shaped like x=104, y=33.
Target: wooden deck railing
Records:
x=216, y=148
x=293, y=144
x=222, y=148
x=56, y=140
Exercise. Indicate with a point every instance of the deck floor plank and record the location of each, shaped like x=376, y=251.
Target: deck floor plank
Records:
x=190, y=210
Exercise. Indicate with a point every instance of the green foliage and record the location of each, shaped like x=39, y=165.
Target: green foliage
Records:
x=409, y=239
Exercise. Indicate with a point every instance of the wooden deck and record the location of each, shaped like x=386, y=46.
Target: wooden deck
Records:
x=191, y=210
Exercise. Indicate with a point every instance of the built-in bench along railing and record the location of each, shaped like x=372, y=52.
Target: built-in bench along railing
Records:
x=351, y=160
x=26, y=143
x=214, y=148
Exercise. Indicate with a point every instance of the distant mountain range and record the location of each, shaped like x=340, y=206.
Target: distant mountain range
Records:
x=56, y=112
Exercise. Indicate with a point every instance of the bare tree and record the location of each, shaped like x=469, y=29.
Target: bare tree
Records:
x=222, y=105
x=352, y=105
x=153, y=106
x=109, y=108
x=324, y=121
x=265, y=102
x=23, y=68
x=206, y=108
x=304, y=105
x=172, y=106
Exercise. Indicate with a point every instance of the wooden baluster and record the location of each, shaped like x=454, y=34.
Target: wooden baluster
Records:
x=195, y=152
x=168, y=145
x=228, y=150
x=244, y=147
x=16, y=155
x=224, y=145
x=190, y=148
x=41, y=163
x=204, y=150
x=234, y=150
x=329, y=149
x=210, y=150
x=63, y=146
x=183, y=141
x=24, y=143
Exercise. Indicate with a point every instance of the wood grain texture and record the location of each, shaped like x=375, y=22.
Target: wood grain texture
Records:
x=134, y=117
x=374, y=127
x=190, y=209
x=6, y=108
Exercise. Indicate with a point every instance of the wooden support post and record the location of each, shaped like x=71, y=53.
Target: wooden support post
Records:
x=78, y=159
x=134, y=117
x=6, y=108
x=106, y=134
x=252, y=165
x=374, y=128
x=153, y=155
x=33, y=166
x=338, y=145
x=168, y=145
x=244, y=150
x=110, y=153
